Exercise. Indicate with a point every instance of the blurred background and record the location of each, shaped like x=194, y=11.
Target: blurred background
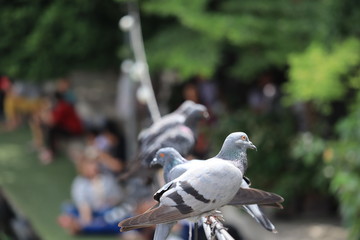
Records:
x=285, y=72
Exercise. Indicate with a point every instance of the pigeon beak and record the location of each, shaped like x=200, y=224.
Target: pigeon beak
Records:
x=206, y=115
x=154, y=162
x=252, y=146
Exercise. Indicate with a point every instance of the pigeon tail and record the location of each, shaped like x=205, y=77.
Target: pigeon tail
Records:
x=258, y=215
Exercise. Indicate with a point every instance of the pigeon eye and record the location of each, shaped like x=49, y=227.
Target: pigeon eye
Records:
x=162, y=155
x=243, y=138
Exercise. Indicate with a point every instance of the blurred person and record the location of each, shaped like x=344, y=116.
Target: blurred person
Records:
x=4, y=85
x=64, y=86
x=107, y=163
x=191, y=92
x=62, y=121
x=110, y=144
x=262, y=97
x=18, y=107
x=95, y=196
x=116, y=146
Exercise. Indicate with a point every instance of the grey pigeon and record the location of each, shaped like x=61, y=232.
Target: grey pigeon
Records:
x=181, y=136
x=190, y=197
x=177, y=129
x=166, y=122
x=169, y=158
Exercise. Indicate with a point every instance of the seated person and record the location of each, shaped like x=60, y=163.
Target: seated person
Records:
x=62, y=121
x=110, y=148
x=96, y=198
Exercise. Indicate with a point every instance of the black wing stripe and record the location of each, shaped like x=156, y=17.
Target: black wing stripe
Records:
x=180, y=204
x=193, y=192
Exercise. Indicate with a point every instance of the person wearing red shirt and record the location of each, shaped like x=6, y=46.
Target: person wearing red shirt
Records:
x=61, y=122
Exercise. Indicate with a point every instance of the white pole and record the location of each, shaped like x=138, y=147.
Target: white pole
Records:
x=132, y=24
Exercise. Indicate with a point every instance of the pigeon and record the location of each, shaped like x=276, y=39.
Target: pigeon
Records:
x=168, y=121
x=177, y=129
x=233, y=150
x=190, y=197
x=169, y=158
x=181, y=136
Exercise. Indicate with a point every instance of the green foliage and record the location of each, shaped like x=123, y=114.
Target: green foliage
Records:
x=200, y=55
x=346, y=162
x=44, y=39
x=316, y=74
x=260, y=35
x=307, y=149
x=322, y=74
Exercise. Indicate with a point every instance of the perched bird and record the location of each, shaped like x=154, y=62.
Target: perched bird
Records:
x=177, y=129
x=198, y=192
x=202, y=188
x=169, y=158
x=170, y=120
x=172, y=132
x=233, y=150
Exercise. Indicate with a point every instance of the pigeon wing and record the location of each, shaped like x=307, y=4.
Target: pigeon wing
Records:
x=162, y=190
x=247, y=180
x=178, y=170
x=159, y=215
x=167, y=122
x=254, y=211
x=247, y=196
x=181, y=138
x=274, y=205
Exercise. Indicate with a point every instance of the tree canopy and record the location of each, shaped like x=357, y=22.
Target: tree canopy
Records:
x=42, y=39
x=45, y=39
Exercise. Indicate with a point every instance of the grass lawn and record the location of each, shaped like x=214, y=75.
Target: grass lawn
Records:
x=35, y=190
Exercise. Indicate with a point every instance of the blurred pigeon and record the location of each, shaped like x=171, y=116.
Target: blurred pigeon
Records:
x=181, y=136
x=177, y=129
x=170, y=159
x=166, y=122
x=190, y=197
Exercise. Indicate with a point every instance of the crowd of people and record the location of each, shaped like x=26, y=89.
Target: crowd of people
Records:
x=99, y=200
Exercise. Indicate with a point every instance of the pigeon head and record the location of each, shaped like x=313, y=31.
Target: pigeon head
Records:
x=195, y=114
x=166, y=155
x=185, y=107
x=190, y=108
x=239, y=140
x=234, y=149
